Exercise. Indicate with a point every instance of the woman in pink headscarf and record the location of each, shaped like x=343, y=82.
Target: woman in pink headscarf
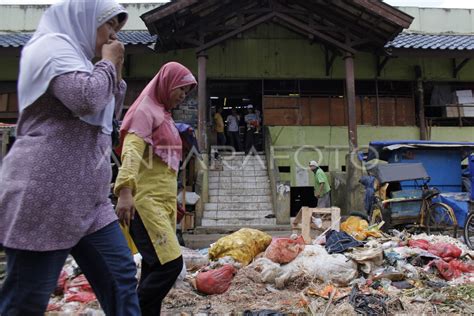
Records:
x=146, y=182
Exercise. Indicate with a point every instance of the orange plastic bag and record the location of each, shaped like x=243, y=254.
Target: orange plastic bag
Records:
x=284, y=250
x=215, y=281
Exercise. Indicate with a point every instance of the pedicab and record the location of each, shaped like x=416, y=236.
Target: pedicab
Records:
x=413, y=209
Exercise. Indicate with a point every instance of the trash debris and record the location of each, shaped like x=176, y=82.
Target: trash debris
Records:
x=215, y=281
x=398, y=273
x=242, y=245
x=284, y=250
x=338, y=242
x=368, y=304
x=193, y=259
x=314, y=263
x=359, y=228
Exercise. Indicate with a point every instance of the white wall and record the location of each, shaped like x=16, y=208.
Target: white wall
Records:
x=26, y=17
x=435, y=20
x=431, y=20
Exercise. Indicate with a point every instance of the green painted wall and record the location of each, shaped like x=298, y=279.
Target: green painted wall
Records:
x=9, y=68
x=329, y=144
x=272, y=52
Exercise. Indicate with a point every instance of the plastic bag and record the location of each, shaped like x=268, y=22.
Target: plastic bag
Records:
x=79, y=290
x=193, y=259
x=61, y=285
x=419, y=243
x=284, y=250
x=359, y=228
x=445, y=251
x=453, y=269
x=215, y=281
x=81, y=297
x=313, y=262
x=242, y=245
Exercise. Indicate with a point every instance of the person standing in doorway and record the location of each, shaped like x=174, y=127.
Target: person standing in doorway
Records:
x=251, y=121
x=219, y=127
x=322, y=189
x=233, y=129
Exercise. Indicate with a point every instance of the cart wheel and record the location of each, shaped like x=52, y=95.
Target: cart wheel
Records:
x=441, y=218
x=469, y=231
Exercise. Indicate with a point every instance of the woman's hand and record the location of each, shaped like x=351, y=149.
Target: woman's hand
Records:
x=114, y=51
x=125, y=208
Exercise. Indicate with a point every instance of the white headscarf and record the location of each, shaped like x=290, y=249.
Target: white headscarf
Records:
x=65, y=42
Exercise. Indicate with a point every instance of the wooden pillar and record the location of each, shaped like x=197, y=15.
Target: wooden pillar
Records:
x=421, y=102
x=351, y=100
x=202, y=101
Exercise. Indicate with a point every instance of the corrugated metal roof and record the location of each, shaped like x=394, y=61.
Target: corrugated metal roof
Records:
x=127, y=37
x=433, y=42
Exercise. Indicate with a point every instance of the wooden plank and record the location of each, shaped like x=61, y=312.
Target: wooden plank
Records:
x=166, y=10
x=305, y=112
x=12, y=102
x=282, y=117
x=405, y=115
x=3, y=102
x=320, y=111
x=338, y=112
x=369, y=115
x=387, y=111
x=280, y=102
x=359, y=110
x=303, y=221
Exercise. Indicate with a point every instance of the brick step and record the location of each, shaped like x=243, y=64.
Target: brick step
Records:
x=236, y=214
x=239, y=185
x=240, y=199
x=239, y=192
x=242, y=222
x=203, y=237
x=240, y=167
x=214, y=179
x=283, y=229
x=238, y=173
x=236, y=206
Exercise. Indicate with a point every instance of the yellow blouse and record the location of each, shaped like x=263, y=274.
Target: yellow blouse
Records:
x=154, y=189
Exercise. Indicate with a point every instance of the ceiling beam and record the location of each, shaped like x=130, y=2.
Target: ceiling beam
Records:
x=233, y=33
x=161, y=12
x=458, y=68
x=316, y=33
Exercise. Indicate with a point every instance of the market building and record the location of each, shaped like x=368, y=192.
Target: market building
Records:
x=327, y=76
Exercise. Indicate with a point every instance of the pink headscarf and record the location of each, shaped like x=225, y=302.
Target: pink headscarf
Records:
x=149, y=116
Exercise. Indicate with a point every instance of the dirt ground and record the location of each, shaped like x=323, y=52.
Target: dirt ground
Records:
x=248, y=294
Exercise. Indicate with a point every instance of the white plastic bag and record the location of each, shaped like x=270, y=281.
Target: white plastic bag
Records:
x=314, y=262
x=191, y=198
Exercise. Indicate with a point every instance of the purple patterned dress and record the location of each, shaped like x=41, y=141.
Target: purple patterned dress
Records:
x=55, y=181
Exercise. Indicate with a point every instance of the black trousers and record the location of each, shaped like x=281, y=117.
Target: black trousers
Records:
x=249, y=140
x=156, y=279
x=234, y=139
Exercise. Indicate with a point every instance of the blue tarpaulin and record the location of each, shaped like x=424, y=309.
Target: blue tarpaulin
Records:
x=459, y=202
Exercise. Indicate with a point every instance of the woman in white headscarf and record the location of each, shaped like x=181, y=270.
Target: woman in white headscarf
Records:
x=54, y=182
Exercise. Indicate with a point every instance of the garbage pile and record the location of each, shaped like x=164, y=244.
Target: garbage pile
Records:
x=358, y=270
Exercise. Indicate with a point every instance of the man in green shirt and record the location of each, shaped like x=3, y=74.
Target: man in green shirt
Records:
x=322, y=189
